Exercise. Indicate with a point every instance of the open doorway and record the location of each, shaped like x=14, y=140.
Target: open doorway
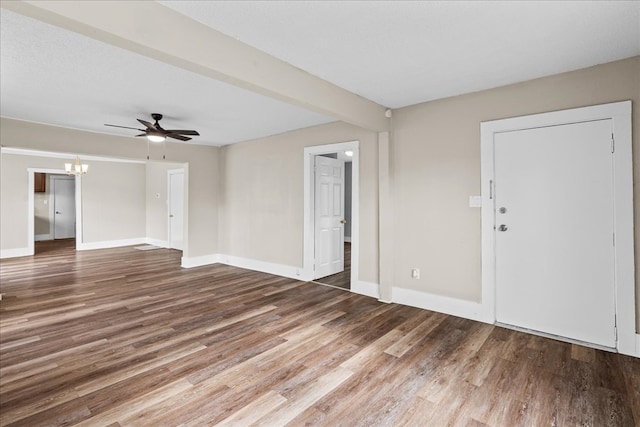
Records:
x=53, y=210
x=344, y=205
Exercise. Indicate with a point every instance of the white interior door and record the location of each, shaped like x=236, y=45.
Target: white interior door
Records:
x=554, y=231
x=176, y=209
x=64, y=207
x=329, y=216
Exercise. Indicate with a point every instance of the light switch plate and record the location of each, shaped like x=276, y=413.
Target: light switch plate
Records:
x=475, y=201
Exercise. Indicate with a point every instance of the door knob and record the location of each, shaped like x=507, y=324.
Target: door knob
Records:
x=171, y=216
x=58, y=213
x=344, y=221
x=502, y=227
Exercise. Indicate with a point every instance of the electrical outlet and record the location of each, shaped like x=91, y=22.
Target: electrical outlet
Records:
x=415, y=273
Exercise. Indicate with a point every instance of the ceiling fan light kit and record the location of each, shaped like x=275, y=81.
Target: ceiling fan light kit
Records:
x=155, y=137
x=155, y=133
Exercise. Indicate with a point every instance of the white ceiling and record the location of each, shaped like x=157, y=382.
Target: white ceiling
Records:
x=393, y=53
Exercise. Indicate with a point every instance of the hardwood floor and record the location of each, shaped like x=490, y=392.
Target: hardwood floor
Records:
x=342, y=279
x=123, y=337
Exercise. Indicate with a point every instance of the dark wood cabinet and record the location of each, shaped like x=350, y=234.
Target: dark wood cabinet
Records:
x=40, y=182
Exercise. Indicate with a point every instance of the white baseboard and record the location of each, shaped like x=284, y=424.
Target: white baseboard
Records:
x=365, y=288
x=14, y=253
x=347, y=239
x=156, y=242
x=111, y=244
x=18, y=252
x=197, y=261
x=249, y=264
x=456, y=307
x=265, y=267
x=637, y=345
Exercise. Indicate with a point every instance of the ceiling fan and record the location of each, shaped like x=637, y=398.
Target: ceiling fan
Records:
x=155, y=133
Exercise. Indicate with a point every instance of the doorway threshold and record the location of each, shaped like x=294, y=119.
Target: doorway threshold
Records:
x=330, y=286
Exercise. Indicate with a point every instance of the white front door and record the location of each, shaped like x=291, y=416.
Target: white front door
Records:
x=554, y=231
x=64, y=207
x=176, y=209
x=329, y=216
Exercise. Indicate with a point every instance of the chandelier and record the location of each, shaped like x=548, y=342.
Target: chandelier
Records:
x=76, y=168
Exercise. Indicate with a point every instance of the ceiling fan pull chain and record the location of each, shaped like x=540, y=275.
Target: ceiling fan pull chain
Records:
x=147, y=149
x=164, y=146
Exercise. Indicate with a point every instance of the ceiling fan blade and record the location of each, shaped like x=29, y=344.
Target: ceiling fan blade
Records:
x=124, y=127
x=183, y=132
x=147, y=124
x=180, y=137
x=142, y=134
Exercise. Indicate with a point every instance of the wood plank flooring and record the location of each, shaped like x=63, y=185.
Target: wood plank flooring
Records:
x=123, y=337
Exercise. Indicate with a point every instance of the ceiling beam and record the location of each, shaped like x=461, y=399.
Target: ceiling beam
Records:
x=156, y=31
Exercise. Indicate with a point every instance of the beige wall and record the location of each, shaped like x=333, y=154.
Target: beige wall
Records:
x=262, y=196
x=257, y=187
x=41, y=211
x=13, y=205
x=436, y=167
x=113, y=202
x=201, y=174
x=113, y=205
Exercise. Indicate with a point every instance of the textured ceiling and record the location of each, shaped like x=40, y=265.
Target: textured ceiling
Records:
x=394, y=53
x=50, y=75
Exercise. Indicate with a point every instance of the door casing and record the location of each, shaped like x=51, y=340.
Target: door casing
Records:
x=620, y=113
x=170, y=196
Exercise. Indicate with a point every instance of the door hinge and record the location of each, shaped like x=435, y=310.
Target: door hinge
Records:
x=613, y=144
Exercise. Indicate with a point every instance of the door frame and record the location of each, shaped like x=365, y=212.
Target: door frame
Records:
x=31, y=206
x=309, y=208
x=624, y=282
x=169, y=173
